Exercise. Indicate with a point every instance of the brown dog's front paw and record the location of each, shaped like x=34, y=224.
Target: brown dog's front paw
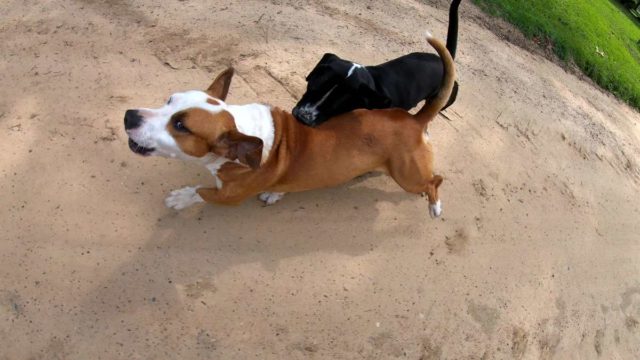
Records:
x=270, y=198
x=183, y=198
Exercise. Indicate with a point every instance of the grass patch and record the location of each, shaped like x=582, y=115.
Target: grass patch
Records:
x=600, y=36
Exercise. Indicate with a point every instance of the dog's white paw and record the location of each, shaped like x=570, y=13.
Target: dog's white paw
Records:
x=183, y=198
x=270, y=198
x=435, y=210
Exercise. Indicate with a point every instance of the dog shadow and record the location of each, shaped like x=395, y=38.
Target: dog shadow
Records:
x=188, y=249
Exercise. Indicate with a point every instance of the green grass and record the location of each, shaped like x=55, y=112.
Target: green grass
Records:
x=576, y=27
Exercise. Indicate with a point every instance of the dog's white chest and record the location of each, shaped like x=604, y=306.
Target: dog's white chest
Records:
x=214, y=166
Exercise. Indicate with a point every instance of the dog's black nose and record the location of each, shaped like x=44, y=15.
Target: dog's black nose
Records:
x=132, y=119
x=296, y=112
x=301, y=115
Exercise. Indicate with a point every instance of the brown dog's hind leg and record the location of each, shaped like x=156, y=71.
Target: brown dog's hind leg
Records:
x=415, y=175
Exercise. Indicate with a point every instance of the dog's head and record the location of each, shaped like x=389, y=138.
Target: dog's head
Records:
x=193, y=125
x=336, y=86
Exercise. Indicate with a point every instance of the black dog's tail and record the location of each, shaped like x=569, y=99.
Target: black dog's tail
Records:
x=452, y=32
x=432, y=107
x=452, y=44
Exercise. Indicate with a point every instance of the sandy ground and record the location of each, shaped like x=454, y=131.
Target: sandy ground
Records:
x=537, y=255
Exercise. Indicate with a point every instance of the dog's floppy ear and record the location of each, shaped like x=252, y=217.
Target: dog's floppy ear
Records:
x=339, y=66
x=219, y=88
x=327, y=59
x=236, y=145
x=326, y=63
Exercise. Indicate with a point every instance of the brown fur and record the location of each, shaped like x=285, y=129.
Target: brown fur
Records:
x=304, y=158
x=223, y=140
x=200, y=121
x=219, y=88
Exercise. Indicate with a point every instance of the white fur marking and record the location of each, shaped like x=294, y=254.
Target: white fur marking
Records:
x=435, y=210
x=270, y=198
x=309, y=110
x=214, y=166
x=426, y=136
x=183, y=198
x=153, y=132
x=252, y=119
x=353, y=68
x=255, y=120
x=313, y=109
x=324, y=97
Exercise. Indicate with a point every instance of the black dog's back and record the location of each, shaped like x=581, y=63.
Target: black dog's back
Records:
x=406, y=94
x=336, y=86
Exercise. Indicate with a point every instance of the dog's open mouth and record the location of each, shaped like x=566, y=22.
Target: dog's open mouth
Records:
x=139, y=149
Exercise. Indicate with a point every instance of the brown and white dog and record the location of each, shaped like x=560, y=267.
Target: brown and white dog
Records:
x=258, y=150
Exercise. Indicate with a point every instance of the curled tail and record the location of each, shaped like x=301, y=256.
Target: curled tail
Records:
x=452, y=33
x=431, y=108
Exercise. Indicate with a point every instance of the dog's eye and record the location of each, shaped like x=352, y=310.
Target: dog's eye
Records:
x=179, y=125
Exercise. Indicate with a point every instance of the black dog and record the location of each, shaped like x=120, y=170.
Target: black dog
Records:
x=336, y=86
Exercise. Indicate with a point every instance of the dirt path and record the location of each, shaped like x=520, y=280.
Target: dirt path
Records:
x=536, y=256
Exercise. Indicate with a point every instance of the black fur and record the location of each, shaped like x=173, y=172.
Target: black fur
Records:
x=401, y=82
